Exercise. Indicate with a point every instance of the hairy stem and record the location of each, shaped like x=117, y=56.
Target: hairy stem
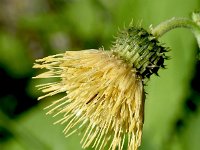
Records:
x=192, y=24
x=173, y=23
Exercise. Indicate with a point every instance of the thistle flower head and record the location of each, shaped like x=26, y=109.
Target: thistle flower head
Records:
x=104, y=91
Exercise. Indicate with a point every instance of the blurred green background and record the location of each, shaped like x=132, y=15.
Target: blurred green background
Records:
x=31, y=29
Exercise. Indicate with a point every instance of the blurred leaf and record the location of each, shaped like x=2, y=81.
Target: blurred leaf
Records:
x=191, y=135
x=13, y=55
x=41, y=127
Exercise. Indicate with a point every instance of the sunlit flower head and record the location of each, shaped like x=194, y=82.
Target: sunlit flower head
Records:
x=103, y=90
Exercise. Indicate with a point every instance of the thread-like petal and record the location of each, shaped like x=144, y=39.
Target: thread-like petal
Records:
x=104, y=95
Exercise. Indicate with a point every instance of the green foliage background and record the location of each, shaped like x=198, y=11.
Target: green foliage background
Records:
x=34, y=29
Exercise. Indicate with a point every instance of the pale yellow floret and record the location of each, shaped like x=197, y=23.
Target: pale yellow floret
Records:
x=103, y=95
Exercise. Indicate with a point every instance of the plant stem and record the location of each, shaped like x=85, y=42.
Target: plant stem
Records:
x=173, y=23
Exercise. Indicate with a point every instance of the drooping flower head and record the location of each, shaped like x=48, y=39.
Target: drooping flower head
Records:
x=104, y=90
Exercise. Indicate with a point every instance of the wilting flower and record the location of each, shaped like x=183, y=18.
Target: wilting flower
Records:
x=104, y=90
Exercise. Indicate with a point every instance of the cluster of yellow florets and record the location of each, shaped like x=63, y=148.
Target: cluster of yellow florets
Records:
x=103, y=94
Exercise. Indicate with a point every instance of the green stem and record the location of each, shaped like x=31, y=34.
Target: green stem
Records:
x=173, y=23
x=192, y=24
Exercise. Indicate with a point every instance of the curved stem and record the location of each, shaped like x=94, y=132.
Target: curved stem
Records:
x=192, y=24
x=173, y=23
